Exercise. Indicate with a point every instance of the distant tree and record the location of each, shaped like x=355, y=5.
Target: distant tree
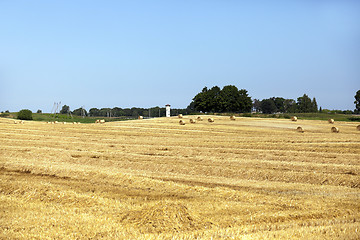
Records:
x=191, y=106
x=357, y=102
x=245, y=101
x=229, y=100
x=135, y=112
x=290, y=106
x=207, y=100
x=257, y=105
x=105, y=112
x=25, y=114
x=39, y=111
x=94, y=112
x=268, y=106
x=279, y=103
x=80, y=112
x=347, y=112
x=212, y=99
x=65, y=109
x=117, y=112
x=314, y=105
x=199, y=101
x=304, y=104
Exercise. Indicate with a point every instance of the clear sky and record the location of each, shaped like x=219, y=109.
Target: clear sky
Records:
x=140, y=53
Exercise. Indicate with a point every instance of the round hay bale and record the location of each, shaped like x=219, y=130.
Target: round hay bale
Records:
x=199, y=118
x=181, y=122
x=180, y=116
x=300, y=129
x=140, y=117
x=334, y=129
x=331, y=121
x=294, y=118
x=210, y=120
x=232, y=118
x=192, y=120
x=358, y=127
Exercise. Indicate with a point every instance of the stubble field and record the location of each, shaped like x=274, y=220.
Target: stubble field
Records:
x=155, y=179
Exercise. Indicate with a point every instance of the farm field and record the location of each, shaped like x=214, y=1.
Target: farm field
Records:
x=252, y=178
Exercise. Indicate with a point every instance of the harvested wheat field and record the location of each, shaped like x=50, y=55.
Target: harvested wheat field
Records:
x=155, y=179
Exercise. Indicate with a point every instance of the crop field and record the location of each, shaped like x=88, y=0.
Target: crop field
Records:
x=252, y=178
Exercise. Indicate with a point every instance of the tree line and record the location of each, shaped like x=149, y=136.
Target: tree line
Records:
x=303, y=104
x=123, y=112
x=227, y=99
x=231, y=99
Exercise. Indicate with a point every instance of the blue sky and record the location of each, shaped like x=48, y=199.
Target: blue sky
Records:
x=149, y=53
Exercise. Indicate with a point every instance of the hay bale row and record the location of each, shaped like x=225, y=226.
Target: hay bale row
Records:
x=18, y=122
x=192, y=120
x=294, y=118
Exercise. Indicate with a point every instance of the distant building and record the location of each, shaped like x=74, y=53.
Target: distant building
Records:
x=167, y=107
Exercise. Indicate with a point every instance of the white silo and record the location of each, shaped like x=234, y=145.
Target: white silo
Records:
x=167, y=107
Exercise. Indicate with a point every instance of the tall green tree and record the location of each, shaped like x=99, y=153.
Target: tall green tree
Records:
x=304, y=104
x=245, y=101
x=257, y=105
x=199, y=103
x=268, y=106
x=290, y=106
x=80, y=112
x=357, y=102
x=94, y=112
x=207, y=100
x=25, y=114
x=279, y=103
x=314, y=105
x=212, y=99
x=229, y=99
x=65, y=109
